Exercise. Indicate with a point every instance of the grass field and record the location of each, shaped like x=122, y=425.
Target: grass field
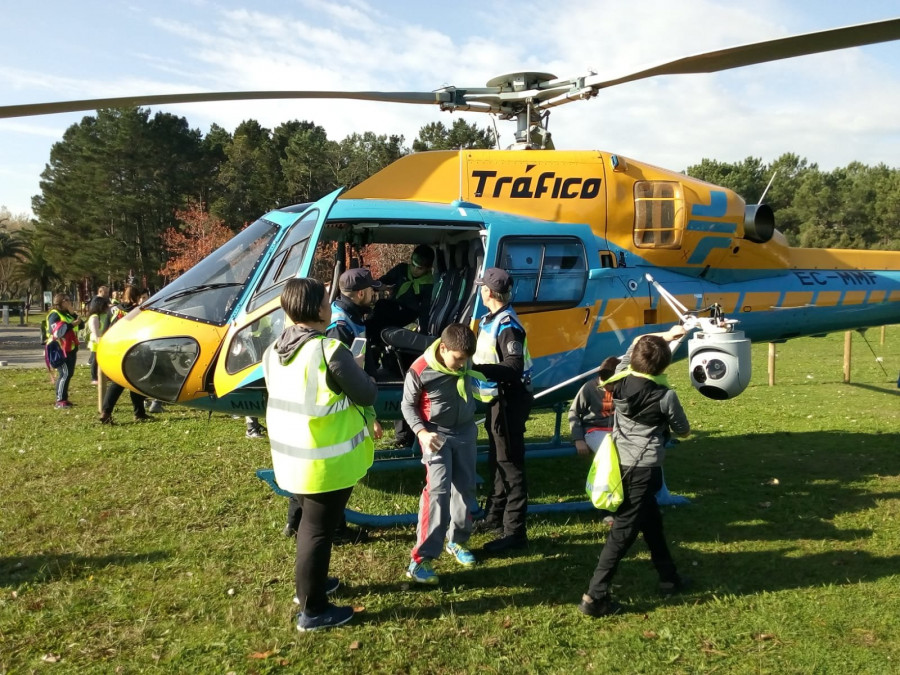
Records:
x=153, y=548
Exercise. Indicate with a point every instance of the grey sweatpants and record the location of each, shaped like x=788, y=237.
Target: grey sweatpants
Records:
x=449, y=491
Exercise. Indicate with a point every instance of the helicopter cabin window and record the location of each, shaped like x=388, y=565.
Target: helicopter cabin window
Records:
x=547, y=272
x=658, y=214
x=251, y=341
x=285, y=261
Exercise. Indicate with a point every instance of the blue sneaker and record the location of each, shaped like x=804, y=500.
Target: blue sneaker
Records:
x=463, y=555
x=422, y=573
x=331, y=617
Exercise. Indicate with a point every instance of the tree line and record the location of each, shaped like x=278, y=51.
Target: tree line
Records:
x=124, y=191
x=122, y=184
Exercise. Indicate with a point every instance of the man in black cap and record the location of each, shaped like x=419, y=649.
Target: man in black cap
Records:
x=349, y=311
x=501, y=355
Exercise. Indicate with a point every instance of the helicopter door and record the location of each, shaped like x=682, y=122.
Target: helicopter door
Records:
x=260, y=319
x=550, y=291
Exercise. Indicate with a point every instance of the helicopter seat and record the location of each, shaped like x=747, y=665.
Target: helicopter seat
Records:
x=476, y=262
x=470, y=257
x=445, y=289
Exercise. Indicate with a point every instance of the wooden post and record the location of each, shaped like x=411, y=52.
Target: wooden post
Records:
x=771, y=364
x=881, y=342
x=847, y=338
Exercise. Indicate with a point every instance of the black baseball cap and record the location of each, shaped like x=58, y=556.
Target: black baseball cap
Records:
x=495, y=279
x=358, y=279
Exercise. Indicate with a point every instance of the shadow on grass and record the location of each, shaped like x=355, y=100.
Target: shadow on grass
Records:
x=769, y=512
x=48, y=567
x=777, y=486
x=783, y=486
x=529, y=582
x=875, y=388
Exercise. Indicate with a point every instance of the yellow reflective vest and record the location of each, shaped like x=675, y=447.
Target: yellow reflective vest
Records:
x=319, y=439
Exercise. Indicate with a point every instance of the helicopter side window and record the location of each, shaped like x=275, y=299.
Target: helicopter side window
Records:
x=658, y=214
x=547, y=273
x=285, y=262
x=251, y=341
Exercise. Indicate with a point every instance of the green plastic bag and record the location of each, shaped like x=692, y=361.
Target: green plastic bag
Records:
x=604, y=481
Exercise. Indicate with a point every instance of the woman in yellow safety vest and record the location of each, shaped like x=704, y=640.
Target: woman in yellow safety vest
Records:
x=318, y=413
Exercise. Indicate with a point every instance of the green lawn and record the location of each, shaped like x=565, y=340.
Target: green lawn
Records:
x=153, y=548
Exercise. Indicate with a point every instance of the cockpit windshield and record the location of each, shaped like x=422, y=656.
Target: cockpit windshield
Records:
x=209, y=290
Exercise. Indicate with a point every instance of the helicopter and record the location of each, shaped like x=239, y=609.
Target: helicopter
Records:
x=601, y=248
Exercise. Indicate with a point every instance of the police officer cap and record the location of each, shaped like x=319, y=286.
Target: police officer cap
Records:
x=495, y=279
x=358, y=279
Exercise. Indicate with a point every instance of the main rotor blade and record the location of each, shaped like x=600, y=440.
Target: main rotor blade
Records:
x=432, y=98
x=761, y=52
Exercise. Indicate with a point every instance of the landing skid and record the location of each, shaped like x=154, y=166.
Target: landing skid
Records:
x=410, y=458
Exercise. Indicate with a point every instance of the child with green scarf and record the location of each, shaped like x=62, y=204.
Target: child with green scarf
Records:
x=439, y=406
x=647, y=413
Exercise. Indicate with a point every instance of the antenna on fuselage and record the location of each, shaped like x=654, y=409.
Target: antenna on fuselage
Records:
x=771, y=180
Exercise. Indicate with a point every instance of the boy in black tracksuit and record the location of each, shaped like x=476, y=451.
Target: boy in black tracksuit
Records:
x=647, y=413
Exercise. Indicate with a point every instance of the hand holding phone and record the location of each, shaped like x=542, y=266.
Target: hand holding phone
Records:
x=358, y=349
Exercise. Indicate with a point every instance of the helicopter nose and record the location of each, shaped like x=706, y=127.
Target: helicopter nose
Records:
x=160, y=356
x=159, y=368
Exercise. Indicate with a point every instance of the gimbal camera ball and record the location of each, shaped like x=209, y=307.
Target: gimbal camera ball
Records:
x=719, y=363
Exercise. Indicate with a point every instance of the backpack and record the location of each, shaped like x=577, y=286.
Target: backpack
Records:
x=604, y=481
x=54, y=354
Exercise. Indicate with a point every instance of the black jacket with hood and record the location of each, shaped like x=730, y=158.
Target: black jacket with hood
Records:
x=647, y=414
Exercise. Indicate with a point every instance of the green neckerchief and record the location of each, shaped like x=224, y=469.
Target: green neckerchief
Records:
x=416, y=283
x=431, y=358
x=661, y=380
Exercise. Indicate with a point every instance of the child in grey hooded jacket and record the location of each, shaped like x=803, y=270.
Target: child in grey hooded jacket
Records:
x=647, y=414
x=439, y=406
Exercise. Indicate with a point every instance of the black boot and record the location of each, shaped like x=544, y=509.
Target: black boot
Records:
x=597, y=607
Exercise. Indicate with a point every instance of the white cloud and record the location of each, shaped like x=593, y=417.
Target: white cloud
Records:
x=831, y=108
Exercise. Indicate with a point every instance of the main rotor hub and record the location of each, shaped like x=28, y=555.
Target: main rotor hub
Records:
x=520, y=81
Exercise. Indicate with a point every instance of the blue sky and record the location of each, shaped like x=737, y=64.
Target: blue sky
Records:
x=830, y=108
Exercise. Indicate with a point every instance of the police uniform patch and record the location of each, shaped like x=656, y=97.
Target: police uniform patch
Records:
x=515, y=349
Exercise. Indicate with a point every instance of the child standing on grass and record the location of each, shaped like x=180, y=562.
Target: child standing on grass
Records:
x=439, y=406
x=592, y=410
x=647, y=413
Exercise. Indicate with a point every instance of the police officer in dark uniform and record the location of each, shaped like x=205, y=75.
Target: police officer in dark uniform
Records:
x=501, y=355
x=348, y=312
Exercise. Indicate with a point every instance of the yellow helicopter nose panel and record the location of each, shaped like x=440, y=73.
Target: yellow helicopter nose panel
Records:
x=159, y=355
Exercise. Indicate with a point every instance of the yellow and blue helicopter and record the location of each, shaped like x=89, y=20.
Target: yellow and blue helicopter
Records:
x=601, y=248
